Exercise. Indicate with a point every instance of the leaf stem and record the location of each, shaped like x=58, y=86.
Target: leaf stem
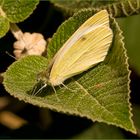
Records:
x=16, y=31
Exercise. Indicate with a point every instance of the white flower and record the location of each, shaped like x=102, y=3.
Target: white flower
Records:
x=29, y=44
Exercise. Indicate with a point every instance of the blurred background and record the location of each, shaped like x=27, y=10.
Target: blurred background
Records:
x=23, y=120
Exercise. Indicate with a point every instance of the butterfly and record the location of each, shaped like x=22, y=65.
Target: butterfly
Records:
x=87, y=47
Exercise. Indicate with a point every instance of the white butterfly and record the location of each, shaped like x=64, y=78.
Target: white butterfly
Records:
x=88, y=46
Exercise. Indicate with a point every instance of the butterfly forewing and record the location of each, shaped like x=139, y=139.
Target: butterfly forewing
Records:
x=99, y=19
x=85, y=48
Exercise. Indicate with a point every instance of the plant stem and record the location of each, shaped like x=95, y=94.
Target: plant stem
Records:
x=18, y=34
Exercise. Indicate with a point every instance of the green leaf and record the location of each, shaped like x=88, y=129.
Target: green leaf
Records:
x=81, y=4
x=124, y=8
x=117, y=8
x=100, y=94
x=100, y=131
x=72, y=6
x=131, y=30
x=15, y=11
x=4, y=26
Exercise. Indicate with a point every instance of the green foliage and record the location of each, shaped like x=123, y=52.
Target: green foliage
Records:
x=74, y=5
x=117, y=8
x=131, y=29
x=100, y=94
x=4, y=26
x=14, y=11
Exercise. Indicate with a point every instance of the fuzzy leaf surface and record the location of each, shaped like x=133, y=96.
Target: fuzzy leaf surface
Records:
x=15, y=11
x=118, y=8
x=4, y=26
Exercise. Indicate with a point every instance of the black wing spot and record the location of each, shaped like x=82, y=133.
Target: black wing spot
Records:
x=83, y=38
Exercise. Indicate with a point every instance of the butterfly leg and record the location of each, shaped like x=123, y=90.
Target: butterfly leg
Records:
x=55, y=93
x=67, y=87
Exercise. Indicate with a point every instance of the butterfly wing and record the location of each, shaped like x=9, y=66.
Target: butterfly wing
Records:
x=99, y=19
x=78, y=55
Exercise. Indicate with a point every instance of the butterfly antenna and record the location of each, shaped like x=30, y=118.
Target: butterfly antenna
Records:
x=10, y=55
x=40, y=89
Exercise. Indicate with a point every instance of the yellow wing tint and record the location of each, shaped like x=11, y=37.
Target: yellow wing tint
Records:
x=99, y=19
x=85, y=48
x=89, y=50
